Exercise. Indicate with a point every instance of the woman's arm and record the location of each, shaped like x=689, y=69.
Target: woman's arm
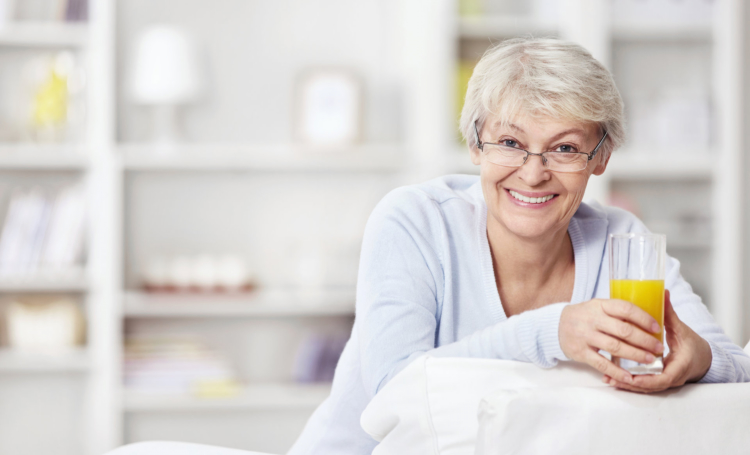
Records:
x=399, y=298
x=729, y=362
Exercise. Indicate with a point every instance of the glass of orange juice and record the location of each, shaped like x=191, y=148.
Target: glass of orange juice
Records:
x=636, y=274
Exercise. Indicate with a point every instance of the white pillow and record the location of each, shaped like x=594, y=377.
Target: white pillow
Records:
x=695, y=419
x=431, y=406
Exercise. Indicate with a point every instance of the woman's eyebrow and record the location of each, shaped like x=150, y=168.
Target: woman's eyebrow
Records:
x=576, y=131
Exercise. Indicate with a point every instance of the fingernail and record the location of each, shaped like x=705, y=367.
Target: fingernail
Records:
x=629, y=379
x=649, y=358
x=659, y=347
x=655, y=328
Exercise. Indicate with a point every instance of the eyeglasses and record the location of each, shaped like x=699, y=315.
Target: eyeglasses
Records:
x=506, y=155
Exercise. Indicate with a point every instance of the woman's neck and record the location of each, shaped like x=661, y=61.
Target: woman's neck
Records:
x=531, y=272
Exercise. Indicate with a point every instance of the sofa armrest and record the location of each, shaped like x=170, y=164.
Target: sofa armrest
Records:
x=693, y=419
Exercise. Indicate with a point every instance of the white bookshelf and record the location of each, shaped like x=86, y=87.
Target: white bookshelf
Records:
x=262, y=158
x=71, y=373
x=252, y=397
x=645, y=32
x=75, y=281
x=13, y=361
x=482, y=27
x=255, y=304
x=44, y=35
x=43, y=157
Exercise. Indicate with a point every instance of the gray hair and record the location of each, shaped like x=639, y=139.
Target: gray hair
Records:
x=543, y=78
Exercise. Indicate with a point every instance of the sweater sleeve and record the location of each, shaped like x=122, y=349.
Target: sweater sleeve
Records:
x=729, y=362
x=399, y=294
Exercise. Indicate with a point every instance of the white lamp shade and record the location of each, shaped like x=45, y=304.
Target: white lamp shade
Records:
x=165, y=70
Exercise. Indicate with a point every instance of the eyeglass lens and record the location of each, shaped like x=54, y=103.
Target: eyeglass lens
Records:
x=556, y=161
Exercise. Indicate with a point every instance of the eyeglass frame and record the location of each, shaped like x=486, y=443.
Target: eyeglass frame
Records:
x=480, y=146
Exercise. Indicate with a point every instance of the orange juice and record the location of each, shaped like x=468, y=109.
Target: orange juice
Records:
x=645, y=294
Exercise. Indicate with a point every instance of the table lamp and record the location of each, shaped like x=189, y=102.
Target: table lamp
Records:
x=164, y=76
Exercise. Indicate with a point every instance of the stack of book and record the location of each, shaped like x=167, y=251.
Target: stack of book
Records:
x=43, y=235
x=177, y=365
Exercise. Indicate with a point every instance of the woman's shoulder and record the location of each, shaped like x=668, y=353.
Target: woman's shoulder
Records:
x=433, y=193
x=616, y=219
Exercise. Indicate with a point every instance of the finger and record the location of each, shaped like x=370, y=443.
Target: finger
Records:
x=670, y=317
x=629, y=333
x=633, y=388
x=620, y=348
x=626, y=311
x=604, y=366
x=653, y=382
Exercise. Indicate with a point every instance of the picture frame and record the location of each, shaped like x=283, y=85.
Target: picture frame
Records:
x=328, y=107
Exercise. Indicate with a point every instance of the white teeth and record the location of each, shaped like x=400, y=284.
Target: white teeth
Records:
x=533, y=200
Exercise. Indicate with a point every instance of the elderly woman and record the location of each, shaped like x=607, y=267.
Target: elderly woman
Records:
x=511, y=265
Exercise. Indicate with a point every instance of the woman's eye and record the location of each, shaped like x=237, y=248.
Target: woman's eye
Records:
x=509, y=143
x=566, y=148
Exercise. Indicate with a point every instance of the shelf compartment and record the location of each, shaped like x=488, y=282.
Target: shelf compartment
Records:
x=43, y=157
x=274, y=157
x=271, y=396
x=44, y=34
x=265, y=303
x=645, y=32
x=72, y=282
x=26, y=362
x=661, y=165
x=504, y=26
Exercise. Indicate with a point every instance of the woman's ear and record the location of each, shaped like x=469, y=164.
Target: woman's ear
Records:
x=474, y=152
x=602, y=165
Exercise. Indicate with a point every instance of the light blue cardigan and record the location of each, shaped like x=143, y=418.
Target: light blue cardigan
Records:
x=426, y=284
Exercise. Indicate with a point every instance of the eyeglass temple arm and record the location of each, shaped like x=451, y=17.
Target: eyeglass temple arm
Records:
x=596, y=150
x=476, y=131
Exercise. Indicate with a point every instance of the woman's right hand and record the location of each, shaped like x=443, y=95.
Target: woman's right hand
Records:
x=615, y=326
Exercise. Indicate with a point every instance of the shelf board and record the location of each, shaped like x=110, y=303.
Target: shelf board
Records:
x=44, y=34
x=43, y=157
x=254, y=304
x=273, y=157
x=252, y=397
x=505, y=27
x=626, y=164
x=645, y=32
x=73, y=282
x=22, y=362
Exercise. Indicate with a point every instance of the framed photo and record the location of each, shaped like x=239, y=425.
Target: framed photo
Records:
x=329, y=107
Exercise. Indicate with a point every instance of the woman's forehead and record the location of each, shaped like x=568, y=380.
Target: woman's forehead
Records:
x=534, y=124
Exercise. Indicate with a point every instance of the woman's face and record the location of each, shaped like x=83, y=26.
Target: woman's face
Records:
x=504, y=187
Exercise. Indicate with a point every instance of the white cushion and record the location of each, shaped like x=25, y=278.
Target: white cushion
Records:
x=694, y=419
x=176, y=448
x=747, y=348
x=431, y=406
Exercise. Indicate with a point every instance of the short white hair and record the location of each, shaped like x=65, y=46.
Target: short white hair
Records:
x=543, y=78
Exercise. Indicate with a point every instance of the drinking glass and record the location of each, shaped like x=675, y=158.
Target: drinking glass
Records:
x=636, y=274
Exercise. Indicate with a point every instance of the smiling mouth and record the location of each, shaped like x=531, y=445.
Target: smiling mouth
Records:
x=531, y=200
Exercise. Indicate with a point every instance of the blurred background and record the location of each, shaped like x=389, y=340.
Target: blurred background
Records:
x=184, y=185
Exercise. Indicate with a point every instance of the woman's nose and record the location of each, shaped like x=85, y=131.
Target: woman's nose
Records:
x=533, y=170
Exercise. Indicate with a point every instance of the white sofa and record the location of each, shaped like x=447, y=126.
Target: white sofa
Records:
x=176, y=448
x=492, y=407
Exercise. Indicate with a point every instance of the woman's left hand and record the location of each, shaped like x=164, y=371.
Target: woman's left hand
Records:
x=688, y=361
